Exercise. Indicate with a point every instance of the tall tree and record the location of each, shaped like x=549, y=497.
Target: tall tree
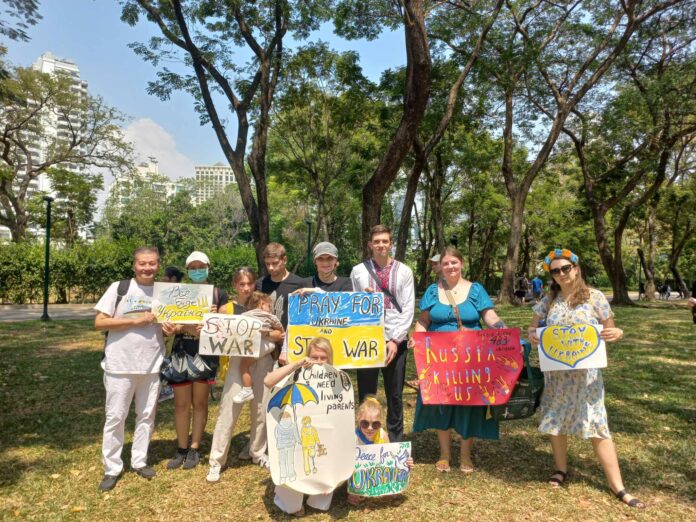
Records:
x=208, y=34
x=364, y=19
x=24, y=13
x=625, y=153
x=546, y=57
x=89, y=136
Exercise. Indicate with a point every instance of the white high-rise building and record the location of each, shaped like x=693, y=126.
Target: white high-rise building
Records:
x=53, y=126
x=212, y=180
x=146, y=174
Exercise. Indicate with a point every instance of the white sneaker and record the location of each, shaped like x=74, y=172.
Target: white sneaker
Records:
x=244, y=395
x=263, y=462
x=213, y=474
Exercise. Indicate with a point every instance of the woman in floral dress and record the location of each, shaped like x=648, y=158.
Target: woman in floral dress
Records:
x=573, y=400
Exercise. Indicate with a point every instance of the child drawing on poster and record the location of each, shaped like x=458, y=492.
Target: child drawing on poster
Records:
x=286, y=439
x=369, y=431
x=310, y=445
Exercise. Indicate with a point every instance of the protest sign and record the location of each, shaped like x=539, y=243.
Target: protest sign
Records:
x=134, y=305
x=310, y=423
x=380, y=469
x=352, y=321
x=471, y=368
x=573, y=347
x=181, y=303
x=231, y=335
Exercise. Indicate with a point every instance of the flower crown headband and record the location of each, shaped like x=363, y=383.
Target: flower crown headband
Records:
x=559, y=253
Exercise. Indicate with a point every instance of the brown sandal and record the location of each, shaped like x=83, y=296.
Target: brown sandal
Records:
x=558, y=482
x=442, y=466
x=634, y=502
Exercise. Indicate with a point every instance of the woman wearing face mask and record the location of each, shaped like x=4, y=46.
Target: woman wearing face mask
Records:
x=190, y=395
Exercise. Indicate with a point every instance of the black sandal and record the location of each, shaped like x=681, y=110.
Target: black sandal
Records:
x=634, y=502
x=556, y=482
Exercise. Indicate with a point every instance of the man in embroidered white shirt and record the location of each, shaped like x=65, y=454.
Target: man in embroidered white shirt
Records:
x=381, y=273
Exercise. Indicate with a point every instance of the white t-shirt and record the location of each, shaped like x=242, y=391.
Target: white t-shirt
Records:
x=136, y=350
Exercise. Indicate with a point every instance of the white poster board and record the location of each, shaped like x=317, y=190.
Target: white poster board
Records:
x=311, y=430
x=574, y=347
x=181, y=303
x=230, y=335
x=380, y=469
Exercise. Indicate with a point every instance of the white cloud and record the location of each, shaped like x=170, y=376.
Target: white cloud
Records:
x=151, y=139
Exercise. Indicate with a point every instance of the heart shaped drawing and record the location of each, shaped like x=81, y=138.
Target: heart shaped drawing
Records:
x=568, y=345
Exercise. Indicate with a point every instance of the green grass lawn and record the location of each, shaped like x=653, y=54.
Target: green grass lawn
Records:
x=51, y=407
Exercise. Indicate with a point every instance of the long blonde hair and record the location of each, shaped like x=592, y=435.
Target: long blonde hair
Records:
x=579, y=293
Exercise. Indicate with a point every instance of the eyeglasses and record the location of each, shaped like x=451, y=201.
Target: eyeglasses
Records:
x=565, y=269
x=364, y=424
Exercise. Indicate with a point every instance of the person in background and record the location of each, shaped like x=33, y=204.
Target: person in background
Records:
x=172, y=274
x=573, y=400
x=537, y=287
x=326, y=263
x=133, y=355
x=521, y=288
x=435, y=266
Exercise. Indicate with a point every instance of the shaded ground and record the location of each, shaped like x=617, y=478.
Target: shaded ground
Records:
x=51, y=413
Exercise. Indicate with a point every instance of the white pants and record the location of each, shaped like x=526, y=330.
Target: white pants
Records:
x=229, y=411
x=290, y=501
x=120, y=390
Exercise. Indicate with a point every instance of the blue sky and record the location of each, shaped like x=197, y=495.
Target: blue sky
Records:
x=90, y=33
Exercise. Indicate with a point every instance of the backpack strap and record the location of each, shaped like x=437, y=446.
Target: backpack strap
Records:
x=121, y=291
x=385, y=290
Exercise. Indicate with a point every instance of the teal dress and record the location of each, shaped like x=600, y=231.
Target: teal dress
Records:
x=468, y=421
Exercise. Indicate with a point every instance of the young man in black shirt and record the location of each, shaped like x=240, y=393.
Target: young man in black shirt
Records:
x=326, y=262
x=279, y=283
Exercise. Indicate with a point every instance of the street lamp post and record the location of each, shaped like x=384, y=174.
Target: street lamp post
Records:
x=48, y=200
x=309, y=246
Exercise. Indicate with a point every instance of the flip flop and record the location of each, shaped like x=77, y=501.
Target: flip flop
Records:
x=634, y=502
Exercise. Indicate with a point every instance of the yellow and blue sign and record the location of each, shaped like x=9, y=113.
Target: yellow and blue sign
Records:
x=572, y=347
x=352, y=321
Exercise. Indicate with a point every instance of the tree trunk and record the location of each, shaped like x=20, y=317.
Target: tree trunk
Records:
x=649, y=271
x=409, y=200
x=650, y=286
x=507, y=290
x=417, y=92
x=436, y=202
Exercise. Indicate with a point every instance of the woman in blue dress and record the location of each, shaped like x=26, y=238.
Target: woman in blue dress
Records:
x=438, y=315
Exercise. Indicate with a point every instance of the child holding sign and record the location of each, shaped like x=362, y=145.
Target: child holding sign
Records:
x=369, y=431
x=259, y=307
x=289, y=500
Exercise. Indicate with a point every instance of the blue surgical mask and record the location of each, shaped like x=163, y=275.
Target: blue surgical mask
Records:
x=198, y=275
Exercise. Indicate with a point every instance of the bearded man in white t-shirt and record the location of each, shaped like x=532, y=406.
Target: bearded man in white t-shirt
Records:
x=132, y=359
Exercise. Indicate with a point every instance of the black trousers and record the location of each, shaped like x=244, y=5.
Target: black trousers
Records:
x=394, y=376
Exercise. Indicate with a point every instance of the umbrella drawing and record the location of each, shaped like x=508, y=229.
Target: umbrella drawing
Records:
x=292, y=395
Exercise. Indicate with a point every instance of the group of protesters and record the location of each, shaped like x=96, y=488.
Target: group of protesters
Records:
x=572, y=404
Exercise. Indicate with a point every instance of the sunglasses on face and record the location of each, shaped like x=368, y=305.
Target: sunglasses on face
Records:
x=364, y=425
x=564, y=269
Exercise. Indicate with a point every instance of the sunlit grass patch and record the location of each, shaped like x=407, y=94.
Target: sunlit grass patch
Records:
x=51, y=407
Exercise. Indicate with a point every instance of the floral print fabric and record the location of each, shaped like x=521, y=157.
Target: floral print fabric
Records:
x=573, y=400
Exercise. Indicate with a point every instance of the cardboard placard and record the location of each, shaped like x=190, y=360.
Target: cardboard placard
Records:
x=471, y=368
x=574, y=347
x=310, y=423
x=230, y=335
x=380, y=469
x=352, y=321
x=181, y=303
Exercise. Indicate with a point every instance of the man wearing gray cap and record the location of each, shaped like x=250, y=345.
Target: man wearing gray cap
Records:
x=326, y=262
